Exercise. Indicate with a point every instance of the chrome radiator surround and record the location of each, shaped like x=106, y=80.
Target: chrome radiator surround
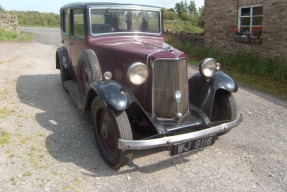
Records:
x=169, y=76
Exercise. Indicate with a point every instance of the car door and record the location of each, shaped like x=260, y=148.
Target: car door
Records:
x=77, y=45
x=77, y=37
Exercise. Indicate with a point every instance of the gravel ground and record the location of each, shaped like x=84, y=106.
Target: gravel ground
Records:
x=46, y=144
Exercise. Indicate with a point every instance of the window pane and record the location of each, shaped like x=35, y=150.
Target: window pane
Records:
x=257, y=21
x=97, y=17
x=153, y=22
x=245, y=11
x=121, y=20
x=258, y=10
x=78, y=17
x=245, y=21
x=67, y=21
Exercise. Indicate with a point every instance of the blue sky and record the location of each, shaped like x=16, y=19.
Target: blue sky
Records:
x=54, y=5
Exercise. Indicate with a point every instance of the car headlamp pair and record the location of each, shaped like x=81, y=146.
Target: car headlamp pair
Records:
x=208, y=67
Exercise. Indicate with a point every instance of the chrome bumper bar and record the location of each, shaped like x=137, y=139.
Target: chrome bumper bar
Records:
x=169, y=140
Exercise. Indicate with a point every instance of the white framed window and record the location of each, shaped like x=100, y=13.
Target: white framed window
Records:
x=250, y=18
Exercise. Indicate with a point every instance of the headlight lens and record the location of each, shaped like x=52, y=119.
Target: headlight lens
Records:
x=208, y=67
x=137, y=73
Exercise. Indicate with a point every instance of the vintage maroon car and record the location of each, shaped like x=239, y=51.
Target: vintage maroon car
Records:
x=115, y=64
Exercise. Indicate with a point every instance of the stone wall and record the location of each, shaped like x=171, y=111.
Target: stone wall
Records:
x=221, y=17
x=9, y=22
x=194, y=38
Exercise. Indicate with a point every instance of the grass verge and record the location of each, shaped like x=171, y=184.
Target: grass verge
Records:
x=268, y=75
x=41, y=26
x=6, y=35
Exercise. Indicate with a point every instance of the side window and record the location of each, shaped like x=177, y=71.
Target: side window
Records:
x=78, y=23
x=66, y=21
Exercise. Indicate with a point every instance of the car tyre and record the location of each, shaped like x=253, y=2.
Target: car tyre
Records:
x=63, y=75
x=224, y=108
x=89, y=69
x=109, y=126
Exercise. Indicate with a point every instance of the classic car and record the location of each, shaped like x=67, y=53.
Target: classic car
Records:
x=115, y=65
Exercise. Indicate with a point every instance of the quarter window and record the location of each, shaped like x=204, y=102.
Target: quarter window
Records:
x=78, y=23
x=66, y=21
x=250, y=17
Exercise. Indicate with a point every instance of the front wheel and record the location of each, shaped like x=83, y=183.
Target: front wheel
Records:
x=109, y=126
x=224, y=107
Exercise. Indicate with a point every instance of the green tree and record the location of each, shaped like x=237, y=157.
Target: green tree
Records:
x=192, y=8
x=180, y=8
x=169, y=14
x=185, y=5
x=200, y=19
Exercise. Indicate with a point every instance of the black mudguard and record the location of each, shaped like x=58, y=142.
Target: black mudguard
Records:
x=202, y=91
x=62, y=58
x=113, y=94
x=64, y=63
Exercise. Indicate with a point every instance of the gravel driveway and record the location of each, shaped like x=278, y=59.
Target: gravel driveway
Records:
x=46, y=144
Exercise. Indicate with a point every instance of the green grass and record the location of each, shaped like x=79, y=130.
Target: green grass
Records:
x=6, y=35
x=4, y=112
x=268, y=75
x=13, y=180
x=42, y=26
x=4, y=92
x=4, y=137
x=27, y=174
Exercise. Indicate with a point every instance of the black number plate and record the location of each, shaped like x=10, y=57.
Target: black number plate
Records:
x=192, y=145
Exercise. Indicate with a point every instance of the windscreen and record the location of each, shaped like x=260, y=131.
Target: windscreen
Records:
x=124, y=21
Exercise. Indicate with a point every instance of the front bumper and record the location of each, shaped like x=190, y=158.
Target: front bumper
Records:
x=170, y=140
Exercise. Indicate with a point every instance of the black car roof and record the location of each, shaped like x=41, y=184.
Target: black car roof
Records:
x=91, y=4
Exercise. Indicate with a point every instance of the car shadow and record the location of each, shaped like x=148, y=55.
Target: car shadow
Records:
x=72, y=139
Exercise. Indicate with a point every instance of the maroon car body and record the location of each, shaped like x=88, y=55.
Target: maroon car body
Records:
x=114, y=63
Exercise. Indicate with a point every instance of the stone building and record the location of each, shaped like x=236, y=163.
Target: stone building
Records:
x=257, y=26
x=9, y=22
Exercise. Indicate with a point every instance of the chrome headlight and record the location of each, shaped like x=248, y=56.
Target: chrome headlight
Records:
x=137, y=73
x=208, y=67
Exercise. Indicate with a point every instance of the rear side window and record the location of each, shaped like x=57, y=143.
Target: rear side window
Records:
x=78, y=23
x=66, y=21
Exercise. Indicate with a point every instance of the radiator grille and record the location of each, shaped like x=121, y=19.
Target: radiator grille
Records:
x=169, y=76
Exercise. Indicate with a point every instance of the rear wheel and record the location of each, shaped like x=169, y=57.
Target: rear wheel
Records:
x=63, y=77
x=109, y=126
